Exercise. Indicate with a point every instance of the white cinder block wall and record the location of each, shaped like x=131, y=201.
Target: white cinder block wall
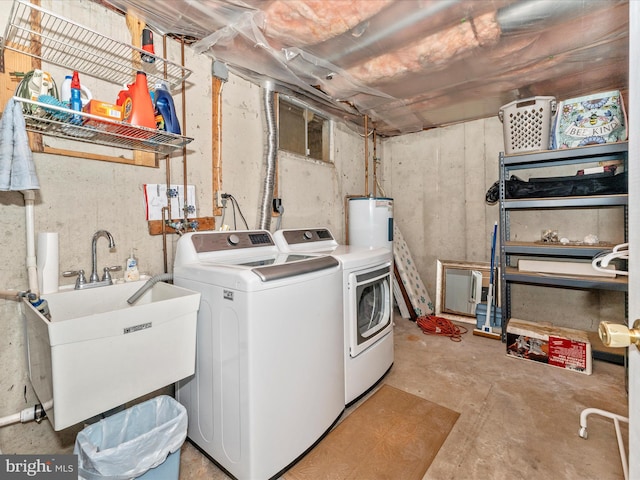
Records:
x=437, y=178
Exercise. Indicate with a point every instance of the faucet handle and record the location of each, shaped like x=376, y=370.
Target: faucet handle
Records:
x=81, y=280
x=106, y=276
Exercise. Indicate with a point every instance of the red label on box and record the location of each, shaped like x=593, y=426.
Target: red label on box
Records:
x=567, y=353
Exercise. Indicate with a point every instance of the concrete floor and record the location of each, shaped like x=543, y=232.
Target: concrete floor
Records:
x=517, y=419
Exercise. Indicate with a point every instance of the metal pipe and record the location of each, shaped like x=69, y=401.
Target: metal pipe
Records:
x=271, y=156
x=366, y=155
x=375, y=163
x=529, y=14
x=378, y=34
x=167, y=164
x=184, y=132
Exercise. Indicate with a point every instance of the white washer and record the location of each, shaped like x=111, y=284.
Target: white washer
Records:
x=268, y=382
x=368, y=302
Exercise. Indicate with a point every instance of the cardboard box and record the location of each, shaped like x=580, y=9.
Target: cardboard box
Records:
x=544, y=343
x=103, y=109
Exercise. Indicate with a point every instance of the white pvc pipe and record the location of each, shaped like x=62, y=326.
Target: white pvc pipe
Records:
x=10, y=419
x=10, y=294
x=26, y=415
x=29, y=201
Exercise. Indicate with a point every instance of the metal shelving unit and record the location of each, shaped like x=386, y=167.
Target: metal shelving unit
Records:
x=508, y=248
x=34, y=31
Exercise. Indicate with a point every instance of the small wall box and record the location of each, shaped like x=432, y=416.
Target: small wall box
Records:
x=544, y=343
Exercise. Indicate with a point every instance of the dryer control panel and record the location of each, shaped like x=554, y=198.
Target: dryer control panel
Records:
x=309, y=235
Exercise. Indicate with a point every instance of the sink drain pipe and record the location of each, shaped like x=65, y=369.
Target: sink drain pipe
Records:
x=30, y=414
x=163, y=277
x=27, y=415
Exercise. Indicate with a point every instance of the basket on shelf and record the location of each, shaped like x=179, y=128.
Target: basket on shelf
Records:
x=527, y=124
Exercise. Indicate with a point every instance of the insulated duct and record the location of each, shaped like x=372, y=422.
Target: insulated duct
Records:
x=528, y=15
x=271, y=156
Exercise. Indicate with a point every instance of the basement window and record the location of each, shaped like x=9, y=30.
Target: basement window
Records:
x=303, y=131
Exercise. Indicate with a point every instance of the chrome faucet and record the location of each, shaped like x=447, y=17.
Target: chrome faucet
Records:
x=94, y=280
x=94, y=260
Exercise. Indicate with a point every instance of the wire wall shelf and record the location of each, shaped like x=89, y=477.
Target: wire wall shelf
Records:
x=62, y=42
x=62, y=122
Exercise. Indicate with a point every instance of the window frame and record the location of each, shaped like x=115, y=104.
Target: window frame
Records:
x=327, y=133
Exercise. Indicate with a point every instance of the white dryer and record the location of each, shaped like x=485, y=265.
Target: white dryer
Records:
x=269, y=364
x=367, y=299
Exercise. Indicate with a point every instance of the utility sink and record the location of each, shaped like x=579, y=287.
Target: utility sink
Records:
x=98, y=352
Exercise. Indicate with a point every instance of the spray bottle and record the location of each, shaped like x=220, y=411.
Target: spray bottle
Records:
x=65, y=92
x=76, y=96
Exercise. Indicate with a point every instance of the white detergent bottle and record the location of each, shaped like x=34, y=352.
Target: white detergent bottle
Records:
x=131, y=273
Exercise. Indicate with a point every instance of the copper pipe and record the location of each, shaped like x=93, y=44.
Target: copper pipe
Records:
x=366, y=156
x=375, y=162
x=184, y=132
x=167, y=164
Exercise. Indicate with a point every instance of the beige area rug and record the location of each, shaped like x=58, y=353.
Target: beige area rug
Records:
x=392, y=435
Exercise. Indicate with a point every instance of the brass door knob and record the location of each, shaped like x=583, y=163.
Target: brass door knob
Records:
x=617, y=335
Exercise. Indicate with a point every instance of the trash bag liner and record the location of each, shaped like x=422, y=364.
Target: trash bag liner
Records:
x=128, y=444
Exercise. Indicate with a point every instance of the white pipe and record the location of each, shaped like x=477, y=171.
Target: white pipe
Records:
x=26, y=415
x=10, y=419
x=29, y=201
x=11, y=294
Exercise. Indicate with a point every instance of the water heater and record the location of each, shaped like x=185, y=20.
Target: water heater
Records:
x=371, y=222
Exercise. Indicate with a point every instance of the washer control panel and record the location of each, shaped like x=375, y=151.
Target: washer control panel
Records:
x=220, y=241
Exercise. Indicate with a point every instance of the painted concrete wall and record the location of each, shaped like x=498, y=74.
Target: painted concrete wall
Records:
x=438, y=180
x=79, y=197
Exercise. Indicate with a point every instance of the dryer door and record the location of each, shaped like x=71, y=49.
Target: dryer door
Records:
x=370, y=300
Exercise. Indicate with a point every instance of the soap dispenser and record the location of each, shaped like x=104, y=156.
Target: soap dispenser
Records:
x=131, y=273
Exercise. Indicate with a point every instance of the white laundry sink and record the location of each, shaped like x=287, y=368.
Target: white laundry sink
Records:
x=98, y=352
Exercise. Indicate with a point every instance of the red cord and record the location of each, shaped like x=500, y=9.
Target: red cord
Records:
x=433, y=325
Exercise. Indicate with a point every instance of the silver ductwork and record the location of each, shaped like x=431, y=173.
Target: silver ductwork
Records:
x=271, y=157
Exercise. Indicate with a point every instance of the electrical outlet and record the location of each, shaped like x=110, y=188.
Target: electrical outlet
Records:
x=277, y=203
x=219, y=198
